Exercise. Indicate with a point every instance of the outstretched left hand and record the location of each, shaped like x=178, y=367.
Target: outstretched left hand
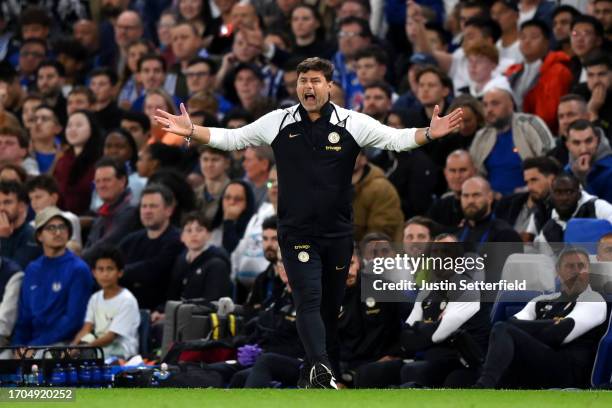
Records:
x=442, y=126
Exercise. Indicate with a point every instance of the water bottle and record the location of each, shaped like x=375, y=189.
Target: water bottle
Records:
x=96, y=376
x=72, y=376
x=58, y=376
x=160, y=376
x=34, y=379
x=84, y=375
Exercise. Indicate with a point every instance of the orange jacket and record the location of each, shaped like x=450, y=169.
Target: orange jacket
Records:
x=553, y=82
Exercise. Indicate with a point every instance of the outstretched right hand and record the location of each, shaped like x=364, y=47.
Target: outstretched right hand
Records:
x=179, y=125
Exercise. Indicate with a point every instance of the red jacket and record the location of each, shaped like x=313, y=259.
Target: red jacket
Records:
x=553, y=82
x=73, y=197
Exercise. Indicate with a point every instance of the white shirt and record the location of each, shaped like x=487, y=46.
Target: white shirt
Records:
x=511, y=52
x=248, y=259
x=459, y=69
x=120, y=315
x=528, y=76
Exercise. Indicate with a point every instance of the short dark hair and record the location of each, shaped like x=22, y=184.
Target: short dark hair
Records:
x=565, y=8
x=270, y=223
x=22, y=137
x=138, y=117
x=107, y=252
x=383, y=86
x=70, y=47
x=572, y=97
x=236, y=113
x=486, y=25
x=199, y=217
x=162, y=190
x=586, y=19
x=571, y=250
x=21, y=173
x=539, y=24
x=167, y=155
x=474, y=4
x=444, y=79
x=582, y=124
x=35, y=15
x=49, y=108
x=207, y=148
x=317, y=64
x=152, y=57
x=43, y=182
x=423, y=222
x=37, y=41
x=112, y=75
x=366, y=31
x=7, y=72
x=544, y=164
x=83, y=90
x=212, y=66
x=373, y=51
x=54, y=64
x=569, y=177
x=120, y=170
x=12, y=187
x=597, y=57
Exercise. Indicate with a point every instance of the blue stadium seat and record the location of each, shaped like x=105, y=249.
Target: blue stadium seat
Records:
x=143, y=331
x=586, y=232
x=602, y=369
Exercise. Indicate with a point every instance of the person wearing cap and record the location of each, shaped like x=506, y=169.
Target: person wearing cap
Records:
x=540, y=81
x=56, y=287
x=315, y=144
x=408, y=100
x=499, y=148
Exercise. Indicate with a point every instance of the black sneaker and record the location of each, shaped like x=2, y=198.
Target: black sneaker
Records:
x=321, y=376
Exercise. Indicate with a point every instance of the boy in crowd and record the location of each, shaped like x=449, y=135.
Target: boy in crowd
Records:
x=112, y=316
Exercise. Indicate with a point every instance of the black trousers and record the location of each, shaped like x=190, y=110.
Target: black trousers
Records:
x=516, y=358
x=271, y=367
x=317, y=270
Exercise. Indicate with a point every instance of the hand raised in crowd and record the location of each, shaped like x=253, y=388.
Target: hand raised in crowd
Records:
x=598, y=98
x=6, y=227
x=582, y=166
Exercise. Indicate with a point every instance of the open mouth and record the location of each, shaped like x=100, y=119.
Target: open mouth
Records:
x=309, y=96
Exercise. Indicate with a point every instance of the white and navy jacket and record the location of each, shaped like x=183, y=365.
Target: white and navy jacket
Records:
x=315, y=162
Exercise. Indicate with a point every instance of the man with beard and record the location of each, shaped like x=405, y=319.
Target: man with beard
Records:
x=268, y=287
x=521, y=209
x=569, y=201
x=481, y=227
x=447, y=209
x=16, y=235
x=551, y=343
x=149, y=253
x=590, y=159
x=49, y=82
x=499, y=149
x=377, y=100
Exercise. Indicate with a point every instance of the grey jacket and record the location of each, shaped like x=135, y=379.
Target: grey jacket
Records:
x=530, y=135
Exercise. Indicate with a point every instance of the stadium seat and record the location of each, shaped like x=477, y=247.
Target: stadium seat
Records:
x=538, y=271
x=602, y=369
x=143, y=331
x=586, y=232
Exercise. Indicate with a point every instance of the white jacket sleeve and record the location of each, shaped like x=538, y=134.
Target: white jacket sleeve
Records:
x=368, y=132
x=8, y=307
x=455, y=315
x=261, y=132
x=588, y=314
x=416, y=315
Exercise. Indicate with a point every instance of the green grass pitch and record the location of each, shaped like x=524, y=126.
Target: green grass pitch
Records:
x=202, y=398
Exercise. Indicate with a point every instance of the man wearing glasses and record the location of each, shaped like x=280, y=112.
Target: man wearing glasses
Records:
x=56, y=287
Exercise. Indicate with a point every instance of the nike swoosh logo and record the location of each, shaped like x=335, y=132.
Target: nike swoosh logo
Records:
x=292, y=136
x=339, y=269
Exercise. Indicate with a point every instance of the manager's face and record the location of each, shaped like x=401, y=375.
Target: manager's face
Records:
x=313, y=90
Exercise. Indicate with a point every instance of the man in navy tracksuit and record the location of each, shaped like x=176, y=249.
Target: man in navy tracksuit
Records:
x=315, y=145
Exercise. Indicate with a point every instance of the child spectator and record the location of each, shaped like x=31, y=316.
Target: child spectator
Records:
x=112, y=316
